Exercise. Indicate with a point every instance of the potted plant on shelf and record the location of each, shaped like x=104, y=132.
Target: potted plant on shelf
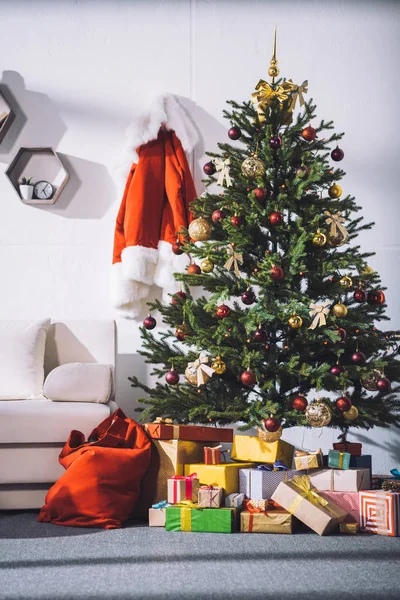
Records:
x=26, y=188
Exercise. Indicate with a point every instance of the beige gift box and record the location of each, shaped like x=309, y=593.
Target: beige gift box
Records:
x=157, y=517
x=210, y=496
x=340, y=480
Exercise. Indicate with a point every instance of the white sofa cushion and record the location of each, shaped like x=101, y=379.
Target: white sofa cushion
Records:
x=79, y=382
x=22, y=346
x=43, y=421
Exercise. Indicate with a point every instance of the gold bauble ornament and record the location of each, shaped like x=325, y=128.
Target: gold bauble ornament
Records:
x=351, y=414
x=339, y=310
x=319, y=239
x=367, y=271
x=218, y=365
x=200, y=230
x=253, y=167
x=346, y=281
x=191, y=375
x=369, y=381
x=335, y=191
x=337, y=240
x=318, y=413
x=269, y=436
x=295, y=321
x=207, y=265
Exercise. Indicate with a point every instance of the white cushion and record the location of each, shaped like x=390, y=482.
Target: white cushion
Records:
x=22, y=345
x=79, y=382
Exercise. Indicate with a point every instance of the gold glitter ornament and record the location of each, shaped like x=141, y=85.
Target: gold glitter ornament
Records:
x=318, y=413
x=367, y=271
x=346, y=281
x=339, y=310
x=269, y=436
x=369, y=381
x=335, y=191
x=351, y=414
x=218, y=365
x=253, y=167
x=207, y=265
x=295, y=321
x=200, y=230
x=319, y=239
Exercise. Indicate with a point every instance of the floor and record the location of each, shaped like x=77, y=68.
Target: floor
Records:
x=48, y=562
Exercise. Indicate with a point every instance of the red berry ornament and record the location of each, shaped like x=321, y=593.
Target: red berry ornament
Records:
x=248, y=297
x=343, y=404
x=272, y=424
x=236, y=221
x=217, y=216
x=234, y=133
x=276, y=218
x=149, y=322
x=193, y=269
x=300, y=403
x=337, y=370
x=248, y=378
x=261, y=194
x=360, y=296
x=342, y=332
x=277, y=273
x=177, y=248
x=376, y=297
x=260, y=335
x=209, y=168
x=358, y=358
x=172, y=377
x=179, y=298
x=309, y=134
x=223, y=311
x=275, y=142
x=337, y=154
x=383, y=384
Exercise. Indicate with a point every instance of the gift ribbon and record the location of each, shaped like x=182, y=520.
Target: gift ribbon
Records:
x=341, y=460
x=201, y=366
x=305, y=491
x=296, y=91
x=319, y=311
x=263, y=96
x=335, y=220
x=188, y=486
x=395, y=473
x=162, y=504
x=234, y=496
x=210, y=453
x=186, y=519
x=223, y=167
x=234, y=259
x=278, y=465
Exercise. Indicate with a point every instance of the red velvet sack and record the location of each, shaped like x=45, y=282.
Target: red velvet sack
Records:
x=102, y=479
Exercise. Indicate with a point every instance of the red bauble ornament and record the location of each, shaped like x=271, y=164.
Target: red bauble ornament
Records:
x=337, y=154
x=217, y=216
x=342, y=332
x=248, y=297
x=275, y=142
x=383, y=384
x=223, y=311
x=300, y=403
x=261, y=194
x=358, y=358
x=303, y=172
x=180, y=332
x=376, y=297
x=343, y=404
x=276, y=218
x=260, y=335
x=337, y=370
x=234, y=133
x=172, y=377
x=193, y=269
x=179, y=298
x=277, y=273
x=236, y=221
x=272, y=424
x=248, y=378
x=309, y=134
x=177, y=248
x=149, y=322
x=209, y=168
x=360, y=296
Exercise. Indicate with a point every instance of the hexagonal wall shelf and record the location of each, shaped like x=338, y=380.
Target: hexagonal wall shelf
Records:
x=6, y=117
x=42, y=164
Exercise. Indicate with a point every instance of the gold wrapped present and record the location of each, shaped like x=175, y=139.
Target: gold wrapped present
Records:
x=308, y=460
x=254, y=449
x=270, y=521
x=225, y=476
x=349, y=528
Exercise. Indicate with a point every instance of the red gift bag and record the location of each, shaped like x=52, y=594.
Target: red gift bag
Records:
x=102, y=479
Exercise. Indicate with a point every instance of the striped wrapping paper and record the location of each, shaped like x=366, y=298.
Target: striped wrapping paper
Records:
x=380, y=512
x=258, y=484
x=349, y=501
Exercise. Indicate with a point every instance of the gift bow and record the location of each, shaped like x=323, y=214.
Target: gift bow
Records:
x=308, y=453
x=335, y=220
x=296, y=91
x=318, y=311
x=307, y=492
x=234, y=259
x=166, y=421
x=395, y=473
x=162, y=504
x=224, y=168
x=277, y=466
x=201, y=366
x=264, y=95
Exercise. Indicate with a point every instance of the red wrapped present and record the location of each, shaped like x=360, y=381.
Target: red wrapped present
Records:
x=164, y=429
x=380, y=512
x=212, y=456
x=352, y=448
x=349, y=501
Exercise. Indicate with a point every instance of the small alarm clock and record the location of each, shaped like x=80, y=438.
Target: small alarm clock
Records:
x=43, y=190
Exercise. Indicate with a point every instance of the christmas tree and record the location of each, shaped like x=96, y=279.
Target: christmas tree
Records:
x=286, y=331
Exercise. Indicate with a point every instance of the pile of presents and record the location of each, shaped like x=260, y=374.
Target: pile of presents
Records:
x=256, y=486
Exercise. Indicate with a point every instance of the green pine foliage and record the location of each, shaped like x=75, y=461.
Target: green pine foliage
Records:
x=291, y=361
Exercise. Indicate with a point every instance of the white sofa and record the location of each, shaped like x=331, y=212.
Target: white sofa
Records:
x=32, y=432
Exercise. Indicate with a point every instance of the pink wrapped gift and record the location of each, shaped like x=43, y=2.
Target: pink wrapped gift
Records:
x=349, y=501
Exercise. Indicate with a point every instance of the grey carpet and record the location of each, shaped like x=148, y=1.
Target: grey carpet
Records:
x=49, y=562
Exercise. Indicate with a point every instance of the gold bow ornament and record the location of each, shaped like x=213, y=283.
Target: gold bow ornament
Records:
x=223, y=166
x=234, y=259
x=295, y=91
x=335, y=220
x=201, y=369
x=319, y=311
x=263, y=96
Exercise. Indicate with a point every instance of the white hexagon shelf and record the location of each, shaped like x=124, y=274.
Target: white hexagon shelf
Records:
x=44, y=166
x=6, y=117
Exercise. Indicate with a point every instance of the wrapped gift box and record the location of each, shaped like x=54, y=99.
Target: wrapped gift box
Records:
x=391, y=485
x=256, y=483
x=353, y=448
x=337, y=480
x=380, y=512
x=300, y=499
x=224, y=475
x=377, y=480
x=183, y=488
x=157, y=517
x=260, y=504
x=168, y=458
x=349, y=501
x=234, y=500
x=338, y=460
x=212, y=456
x=303, y=461
x=249, y=448
x=349, y=528
x=210, y=496
x=221, y=520
x=193, y=433
x=270, y=521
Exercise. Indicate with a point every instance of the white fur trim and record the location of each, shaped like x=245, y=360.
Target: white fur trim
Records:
x=168, y=264
x=126, y=294
x=139, y=263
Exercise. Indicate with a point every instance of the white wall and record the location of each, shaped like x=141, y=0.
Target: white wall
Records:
x=78, y=69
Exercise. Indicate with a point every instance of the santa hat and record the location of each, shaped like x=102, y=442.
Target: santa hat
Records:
x=155, y=205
